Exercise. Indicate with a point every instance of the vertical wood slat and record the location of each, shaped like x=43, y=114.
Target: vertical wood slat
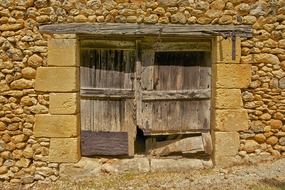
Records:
x=138, y=90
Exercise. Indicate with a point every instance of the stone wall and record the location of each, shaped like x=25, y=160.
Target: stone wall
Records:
x=24, y=154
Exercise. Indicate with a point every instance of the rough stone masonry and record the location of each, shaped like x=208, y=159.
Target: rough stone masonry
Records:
x=28, y=153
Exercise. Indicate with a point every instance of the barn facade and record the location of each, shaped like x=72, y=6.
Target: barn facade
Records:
x=97, y=78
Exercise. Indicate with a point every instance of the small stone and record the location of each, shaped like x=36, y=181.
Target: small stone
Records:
x=265, y=116
x=94, y=4
x=22, y=84
x=159, y=11
x=45, y=171
x=282, y=141
x=275, y=124
x=28, y=179
x=267, y=129
x=39, y=109
x=19, y=138
x=29, y=73
x=35, y=61
x=272, y=140
x=23, y=163
x=178, y=18
x=2, y=126
x=28, y=152
x=250, y=146
x=282, y=83
x=43, y=19
x=257, y=126
x=80, y=18
x=218, y=5
x=275, y=153
x=28, y=101
x=3, y=170
x=167, y=3
x=6, y=155
x=260, y=138
x=226, y=19
x=151, y=19
x=132, y=19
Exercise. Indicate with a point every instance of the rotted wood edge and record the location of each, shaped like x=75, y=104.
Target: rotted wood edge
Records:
x=128, y=29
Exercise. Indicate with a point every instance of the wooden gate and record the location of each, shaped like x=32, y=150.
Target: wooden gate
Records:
x=162, y=88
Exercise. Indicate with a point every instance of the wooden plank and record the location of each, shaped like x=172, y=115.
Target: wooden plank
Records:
x=147, y=69
x=207, y=142
x=185, y=145
x=138, y=91
x=104, y=143
x=142, y=29
x=106, y=92
x=176, y=94
x=128, y=125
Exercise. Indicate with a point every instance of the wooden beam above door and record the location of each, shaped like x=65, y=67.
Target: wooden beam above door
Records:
x=141, y=30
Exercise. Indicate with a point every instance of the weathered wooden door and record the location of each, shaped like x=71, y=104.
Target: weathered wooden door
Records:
x=175, y=88
x=163, y=89
x=107, y=97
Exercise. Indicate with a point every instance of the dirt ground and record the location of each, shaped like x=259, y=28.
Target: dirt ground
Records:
x=263, y=176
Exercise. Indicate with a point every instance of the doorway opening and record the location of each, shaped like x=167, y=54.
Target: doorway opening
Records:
x=147, y=99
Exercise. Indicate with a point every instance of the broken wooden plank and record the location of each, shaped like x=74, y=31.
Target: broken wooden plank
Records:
x=185, y=145
x=106, y=92
x=176, y=94
x=144, y=29
x=207, y=142
x=104, y=143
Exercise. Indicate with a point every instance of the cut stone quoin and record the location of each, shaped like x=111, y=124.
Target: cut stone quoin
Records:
x=57, y=79
x=56, y=125
x=63, y=52
x=64, y=103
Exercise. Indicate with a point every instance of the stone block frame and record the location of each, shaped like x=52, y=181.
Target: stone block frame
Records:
x=61, y=80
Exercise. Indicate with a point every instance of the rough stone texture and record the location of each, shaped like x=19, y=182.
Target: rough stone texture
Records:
x=231, y=120
x=63, y=103
x=63, y=52
x=228, y=98
x=222, y=52
x=250, y=146
x=53, y=79
x=232, y=75
x=56, y=125
x=175, y=165
x=64, y=150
